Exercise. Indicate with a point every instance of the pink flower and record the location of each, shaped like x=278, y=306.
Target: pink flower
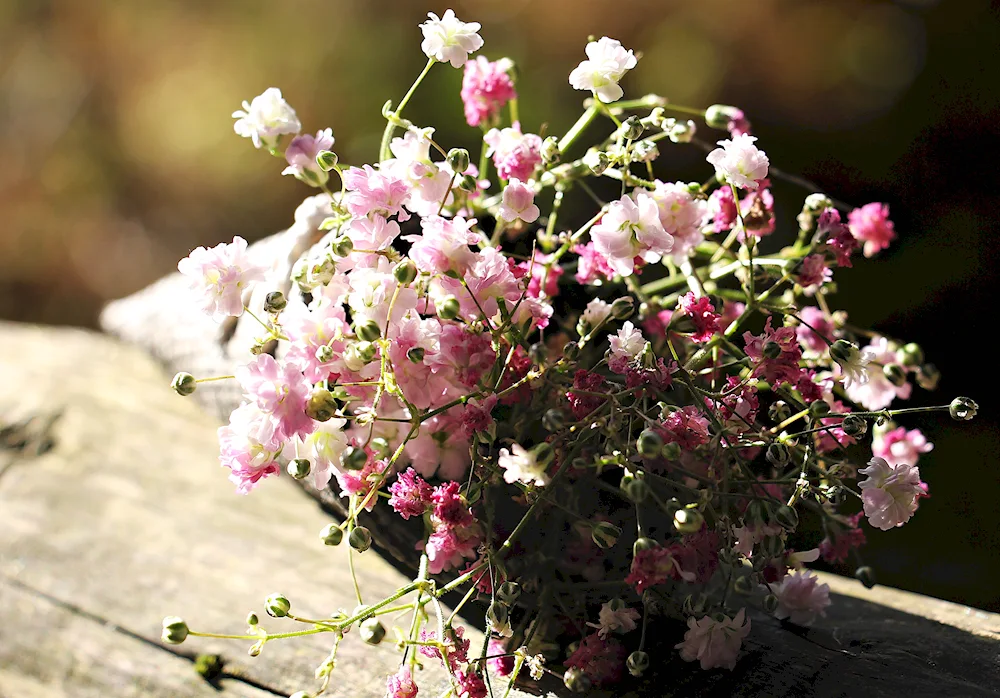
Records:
x=323, y=448
x=439, y=449
x=514, y=154
x=242, y=451
x=782, y=368
x=518, y=202
x=411, y=495
x=815, y=327
x=655, y=566
x=450, y=40
x=702, y=314
x=601, y=659
x=456, y=534
x=456, y=646
x=361, y=482
x=371, y=233
x=477, y=415
x=266, y=119
x=625, y=347
x=890, y=493
x=308, y=331
x=486, y=88
x=470, y=684
x=401, y=685
x=715, y=643
x=503, y=666
x=738, y=405
x=837, y=235
x=592, y=267
x=878, y=392
x=900, y=446
x=801, y=598
x=871, y=224
x=814, y=273
x=682, y=215
x=444, y=245
x=607, y=61
x=584, y=403
x=722, y=207
x=219, y=276
x=630, y=229
x=540, y=274
x=372, y=192
x=615, y=616
x=301, y=156
x=686, y=426
x=844, y=540
x=280, y=391
x=739, y=162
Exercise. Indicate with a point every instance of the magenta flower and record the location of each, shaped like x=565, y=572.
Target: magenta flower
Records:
x=702, y=313
x=900, y=446
x=714, y=643
x=401, y=685
x=601, y=659
x=890, y=493
x=486, y=88
x=871, y=225
x=219, y=277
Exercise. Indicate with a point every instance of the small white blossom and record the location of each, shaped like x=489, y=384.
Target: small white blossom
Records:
x=536, y=666
x=615, y=616
x=450, y=40
x=597, y=311
x=220, y=275
x=607, y=61
x=265, y=118
x=739, y=162
x=627, y=344
x=521, y=465
x=853, y=362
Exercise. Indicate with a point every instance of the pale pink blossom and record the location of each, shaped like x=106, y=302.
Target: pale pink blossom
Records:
x=890, y=493
x=301, y=155
x=373, y=192
x=486, y=88
x=626, y=345
x=444, y=245
x=749, y=536
x=898, y=445
x=801, y=598
x=521, y=465
x=219, y=276
x=448, y=39
x=814, y=273
x=615, y=616
x=739, y=162
x=428, y=181
x=871, y=224
x=814, y=328
x=515, y=154
x=682, y=215
x=372, y=289
x=310, y=329
x=715, y=643
x=877, y=392
x=280, y=391
x=596, y=312
x=631, y=228
x=518, y=202
x=371, y=233
x=242, y=450
x=401, y=685
x=607, y=61
x=266, y=118
x=440, y=449
x=488, y=280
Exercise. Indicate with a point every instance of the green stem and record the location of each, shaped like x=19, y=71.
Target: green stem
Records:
x=391, y=126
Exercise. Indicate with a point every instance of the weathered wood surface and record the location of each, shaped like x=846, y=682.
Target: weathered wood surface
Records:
x=128, y=518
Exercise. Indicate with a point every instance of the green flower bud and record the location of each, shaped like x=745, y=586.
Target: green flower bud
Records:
x=497, y=618
x=332, y=534
x=819, y=409
x=772, y=547
x=632, y=128
x=175, y=630
x=598, y=161
x=379, y=446
x=458, y=160
x=252, y=619
x=324, y=353
x=911, y=355
x=449, y=308
x=544, y=454
x=688, y=521
x=649, y=444
x=605, y=534
x=277, y=605
x=550, y=150
x=360, y=539
x=843, y=351
x=771, y=350
x=342, y=246
x=770, y=603
x=719, y=115
x=637, y=663
x=962, y=409
x=694, y=604
x=637, y=490
x=786, y=517
x=642, y=544
x=372, y=631
x=743, y=585
x=895, y=374
x=321, y=405
x=928, y=377
x=275, y=302
x=468, y=184
x=366, y=351
x=779, y=412
x=756, y=513
x=301, y=694
x=623, y=308
x=865, y=575
x=777, y=453
x=368, y=330
x=553, y=420
x=416, y=354
x=327, y=160
x=571, y=351
x=353, y=458
x=405, y=272
x=575, y=680
x=299, y=468
x=183, y=384
x=854, y=426
x=508, y=592
x=671, y=451
x=538, y=353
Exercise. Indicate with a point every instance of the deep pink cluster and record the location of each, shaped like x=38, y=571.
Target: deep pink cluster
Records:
x=592, y=267
x=486, y=88
x=702, y=313
x=601, y=659
x=845, y=539
x=783, y=367
x=686, y=427
x=583, y=404
x=411, y=495
x=456, y=534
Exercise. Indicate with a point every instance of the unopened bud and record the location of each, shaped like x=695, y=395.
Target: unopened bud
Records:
x=550, y=150
x=372, y=631
x=854, y=426
x=865, y=575
x=779, y=411
x=342, y=246
x=298, y=468
x=449, y=308
x=597, y=161
x=553, y=420
x=508, y=592
x=327, y=160
x=819, y=408
x=360, y=539
x=671, y=451
x=605, y=535
x=544, y=454
x=321, y=405
x=719, y=115
x=786, y=517
x=175, y=630
x=571, y=351
x=928, y=376
x=353, y=458
x=962, y=409
x=772, y=546
x=632, y=128
x=642, y=544
x=184, y=384
x=576, y=680
x=743, y=585
x=405, y=272
x=649, y=444
x=468, y=184
x=688, y=521
x=252, y=619
x=770, y=603
x=368, y=331
x=843, y=351
x=637, y=490
x=622, y=308
x=637, y=663
x=777, y=453
x=911, y=355
x=324, y=353
x=416, y=354
x=366, y=351
x=458, y=160
x=771, y=350
x=277, y=605
x=895, y=374
x=274, y=302
x=332, y=534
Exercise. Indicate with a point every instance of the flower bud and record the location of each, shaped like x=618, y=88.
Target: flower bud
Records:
x=571, y=351
x=772, y=546
x=777, y=453
x=468, y=184
x=255, y=648
x=353, y=458
x=544, y=454
x=576, y=680
x=508, y=592
x=895, y=374
x=327, y=160
x=770, y=603
x=379, y=446
x=632, y=128
x=538, y=353
x=637, y=663
x=642, y=544
x=360, y=539
x=719, y=115
x=779, y=412
x=854, y=426
x=366, y=351
x=274, y=302
x=372, y=631
x=449, y=308
x=688, y=520
x=786, y=517
x=605, y=534
x=694, y=604
x=342, y=246
x=771, y=350
x=324, y=353
x=637, y=490
x=183, y=384
x=649, y=444
x=175, y=630
x=277, y=605
x=550, y=150
x=622, y=308
x=368, y=331
x=962, y=409
x=928, y=376
x=911, y=355
x=252, y=619
x=497, y=618
x=743, y=585
x=597, y=161
x=405, y=272
x=671, y=451
x=865, y=575
x=332, y=534
x=843, y=351
x=299, y=468
x=458, y=160
x=756, y=512
x=553, y=420
x=820, y=408
x=416, y=354
x=679, y=131
x=321, y=405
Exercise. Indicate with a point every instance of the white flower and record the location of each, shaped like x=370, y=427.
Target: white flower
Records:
x=536, y=666
x=627, y=344
x=449, y=39
x=801, y=598
x=739, y=162
x=322, y=448
x=630, y=229
x=220, y=275
x=597, y=311
x=615, y=616
x=518, y=202
x=853, y=363
x=265, y=118
x=890, y=493
x=521, y=465
x=607, y=62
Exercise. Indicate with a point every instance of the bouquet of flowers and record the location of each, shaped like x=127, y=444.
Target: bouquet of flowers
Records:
x=589, y=430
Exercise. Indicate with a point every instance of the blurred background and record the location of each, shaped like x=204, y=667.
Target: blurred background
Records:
x=117, y=156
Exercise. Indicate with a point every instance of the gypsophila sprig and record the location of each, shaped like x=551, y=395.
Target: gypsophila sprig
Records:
x=636, y=407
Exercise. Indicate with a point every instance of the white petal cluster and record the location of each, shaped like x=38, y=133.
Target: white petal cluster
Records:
x=520, y=465
x=450, y=40
x=607, y=61
x=739, y=162
x=266, y=118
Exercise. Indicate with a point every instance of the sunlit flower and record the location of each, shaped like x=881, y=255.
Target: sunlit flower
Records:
x=266, y=118
x=450, y=40
x=714, y=643
x=739, y=162
x=890, y=493
x=607, y=61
